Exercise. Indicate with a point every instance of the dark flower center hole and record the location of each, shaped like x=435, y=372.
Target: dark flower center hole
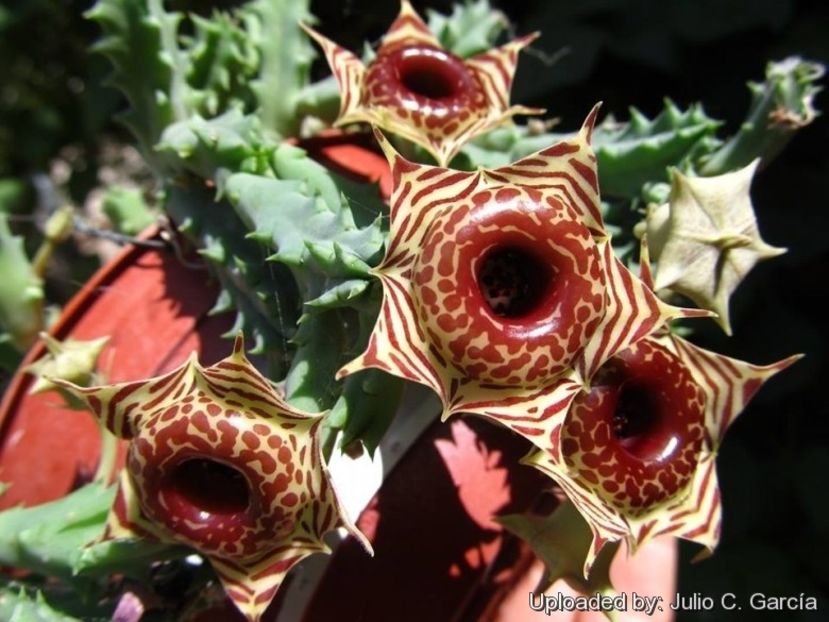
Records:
x=430, y=74
x=210, y=486
x=636, y=417
x=513, y=281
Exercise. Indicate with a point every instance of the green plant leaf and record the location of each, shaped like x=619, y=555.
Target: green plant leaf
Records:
x=232, y=141
x=127, y=210
x=18, y=605
x=48, y=538
x=561, y=540
x=286, y=61
x=472, y=28
x=321, y=340
x=307, y=220
x=629, y=154
x=134, y=558
x=340, y=295
x=780, y=106
x=261, y=294
x=21, y=290
x=141, y=41
x=642, y=150
x=367, y=407
x=59, y=539
x=224, y=60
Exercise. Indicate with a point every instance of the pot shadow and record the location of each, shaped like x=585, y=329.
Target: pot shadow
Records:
x=436, y=555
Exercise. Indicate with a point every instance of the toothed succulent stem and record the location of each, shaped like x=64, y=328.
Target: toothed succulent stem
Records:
x=320, y=99
x=563, y=540
x=21, y=291
x=780, y=106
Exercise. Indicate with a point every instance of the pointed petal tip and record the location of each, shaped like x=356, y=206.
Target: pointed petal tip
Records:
x=389, y=151
x=239, y=344
x=689, y=313
x=524, y=41
x=786, y=362
x=767, y=251
x=590, y=122
x=596, y=547
x=725, y=325
x=363, y=540
x=348, y=369
x=751, y=167
x=704, y=554
x=529, y=38
x=524, y=110
x=63, y=384
x=320, y=39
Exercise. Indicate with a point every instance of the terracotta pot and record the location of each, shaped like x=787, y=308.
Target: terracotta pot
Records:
x=438, y=557
x=154, y=309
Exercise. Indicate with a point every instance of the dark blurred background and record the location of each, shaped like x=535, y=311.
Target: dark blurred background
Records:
x=773, y=465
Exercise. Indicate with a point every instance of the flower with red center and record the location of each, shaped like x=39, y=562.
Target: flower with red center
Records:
x=419, y=90
x=501, y=290
x=218, y=461
x=637, y=450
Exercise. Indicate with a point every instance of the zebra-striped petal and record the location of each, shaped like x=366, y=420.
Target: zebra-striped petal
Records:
x=638, y=450
x=418, y=90
x=501, y=290
x=728, y=383
x=632, y=312
x=220, y=462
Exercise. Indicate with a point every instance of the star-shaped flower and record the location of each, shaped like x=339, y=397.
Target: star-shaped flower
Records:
x=501, y=290
x=637, y=453
x=419, y=90
x=709, y=239
x=73, y=360
x=218, y=461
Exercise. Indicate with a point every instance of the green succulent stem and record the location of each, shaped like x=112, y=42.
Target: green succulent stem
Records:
x=561, y=540
x=320, y=99
x=58, y=228
x=21, y=292
x=779, y=107
x=286, y=60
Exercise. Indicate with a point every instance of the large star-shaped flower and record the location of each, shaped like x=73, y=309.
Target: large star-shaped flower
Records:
x=500, y=288
x=419, y=90
x=708, y=238
x=637, y=452
x=218, y=461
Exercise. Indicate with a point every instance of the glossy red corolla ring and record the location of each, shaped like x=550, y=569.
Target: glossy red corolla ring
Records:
x=508, y=286
x=430, y=83
x=635, y=438
x=220, y=479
